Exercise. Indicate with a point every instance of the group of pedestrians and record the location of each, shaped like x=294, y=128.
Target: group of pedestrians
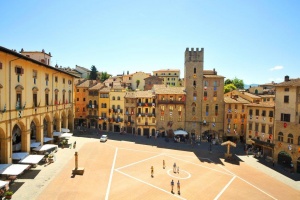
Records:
x=175, y=170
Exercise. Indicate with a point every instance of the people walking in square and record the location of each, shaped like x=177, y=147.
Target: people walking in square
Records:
x=172, y=186
x=152, y=171
x=178, y=187
x=164, y=164
x=74, y=145
x=174, y=168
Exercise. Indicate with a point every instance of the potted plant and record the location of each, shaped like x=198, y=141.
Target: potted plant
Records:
x=50, y=158
x=8, y=194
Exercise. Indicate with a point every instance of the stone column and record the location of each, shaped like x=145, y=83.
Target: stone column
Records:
x=25, y=141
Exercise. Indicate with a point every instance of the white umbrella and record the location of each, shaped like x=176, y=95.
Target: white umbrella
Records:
x=65, y=130
x=180, y=132
x=66, y=135
x=57, y=133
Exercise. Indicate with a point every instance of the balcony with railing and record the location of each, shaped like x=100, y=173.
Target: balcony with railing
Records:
x=145, y=114
x=146, y=104
x=170, y=102
x=129, y=113
x=116, y=110
x=92, y=106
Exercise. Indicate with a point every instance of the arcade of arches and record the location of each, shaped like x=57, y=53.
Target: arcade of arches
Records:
x=28, y=130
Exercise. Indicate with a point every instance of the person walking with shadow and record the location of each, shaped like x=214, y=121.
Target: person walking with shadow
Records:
x=152, y=171
x=174, y=168
x=172, y=186
x=164, y=164
x=178, y=187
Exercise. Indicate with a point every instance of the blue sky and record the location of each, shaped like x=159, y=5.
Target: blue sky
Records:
x=256, y=41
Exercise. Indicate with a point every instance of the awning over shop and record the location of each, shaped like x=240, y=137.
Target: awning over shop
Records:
x=47, y=139
x=263, y=143
x=14, y=169
x=31, y=159
x=180, y=132
x=19, y=155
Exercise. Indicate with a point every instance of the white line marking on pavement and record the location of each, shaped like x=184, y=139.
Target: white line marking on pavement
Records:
x=223, y=190
x=247, y=182
x=257, y=188
x=138, y=162
x=111, y=174
x=200, y=165
x=168, y=192
x=170, y=174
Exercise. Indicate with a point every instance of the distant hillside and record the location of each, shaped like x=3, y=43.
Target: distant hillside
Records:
x=246, y=86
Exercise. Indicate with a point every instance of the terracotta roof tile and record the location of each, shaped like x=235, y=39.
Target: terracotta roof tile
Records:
x=291, y=82
x=237, y=100
x=162, y=89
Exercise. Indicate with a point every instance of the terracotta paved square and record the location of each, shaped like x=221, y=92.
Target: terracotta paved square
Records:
x=121, y=170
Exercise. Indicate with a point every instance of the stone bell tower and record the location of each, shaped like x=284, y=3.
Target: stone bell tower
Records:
x=193, y=77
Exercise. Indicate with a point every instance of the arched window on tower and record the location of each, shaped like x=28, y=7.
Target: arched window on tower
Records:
x=194, y=83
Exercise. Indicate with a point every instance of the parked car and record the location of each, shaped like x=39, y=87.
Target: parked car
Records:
x=103, y=138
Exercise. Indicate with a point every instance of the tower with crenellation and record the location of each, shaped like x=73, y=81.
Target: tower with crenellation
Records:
x=204, y=106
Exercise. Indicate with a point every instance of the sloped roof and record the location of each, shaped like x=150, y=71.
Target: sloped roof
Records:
x=35, y=61
x=291, y=82
x=83, y=68
x=87, y=84
x=130, y=95
x=235, y=100
x=162, y=89
x=267, y=104
x=154, y=77
x=144, y=94
x=98, y=86
x=165, y=70
x=105, y=89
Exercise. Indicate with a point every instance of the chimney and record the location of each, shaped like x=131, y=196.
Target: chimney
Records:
x=286, y=78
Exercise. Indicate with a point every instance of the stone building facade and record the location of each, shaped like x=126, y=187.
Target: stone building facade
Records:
x=35, y=100
x=204, y=97
x=287, y=124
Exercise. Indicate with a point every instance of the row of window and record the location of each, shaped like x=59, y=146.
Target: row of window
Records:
x=262, y=128
x=19, y=70
x=290, y=138
x=263, y=113
x=36, y=103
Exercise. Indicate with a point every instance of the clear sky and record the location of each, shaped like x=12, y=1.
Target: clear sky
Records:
x=256, y=41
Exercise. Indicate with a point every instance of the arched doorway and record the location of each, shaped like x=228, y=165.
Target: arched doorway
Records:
x=139, y=131
x=284, y=159
x=32, y=131
x=45, y=128
x=70, y=122
x=153, y=132
x=16, y=139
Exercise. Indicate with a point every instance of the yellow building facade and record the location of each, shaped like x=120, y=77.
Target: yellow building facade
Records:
x=287, y=124
x=35, y=100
